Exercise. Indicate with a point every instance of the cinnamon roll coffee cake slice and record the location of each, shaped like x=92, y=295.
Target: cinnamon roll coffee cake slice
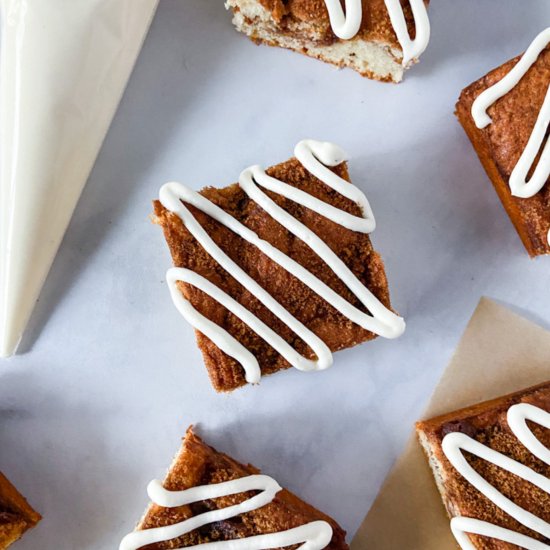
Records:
x=506, y=115
x=491, y=463
x=277, y=270
x=210, y=499
x=16, y=514
x=379, y=39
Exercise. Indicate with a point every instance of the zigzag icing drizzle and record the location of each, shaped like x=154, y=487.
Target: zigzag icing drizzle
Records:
x=314, y=536
x=453, y=446
x=346, y=26
x=519, y=185
x=315, y=156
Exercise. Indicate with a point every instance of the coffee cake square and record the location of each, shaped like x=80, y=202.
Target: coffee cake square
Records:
x=211, y=482
x=501, y=143
x=491, y=463
x=353, y=277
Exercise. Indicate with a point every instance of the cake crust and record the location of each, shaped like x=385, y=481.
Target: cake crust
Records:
x=486, y=422
x=199, y=464
x=500, y=144
x=304, y=26
x=16, y=514
x=353, y=248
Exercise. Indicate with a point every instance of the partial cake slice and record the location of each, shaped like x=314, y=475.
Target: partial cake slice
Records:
x=501, y=143
x=16, y=515
x=505, y=425
x=304, y=26
x=321, y=319
x=201, y=467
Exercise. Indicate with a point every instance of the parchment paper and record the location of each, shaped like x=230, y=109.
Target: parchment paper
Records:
x=499, y=353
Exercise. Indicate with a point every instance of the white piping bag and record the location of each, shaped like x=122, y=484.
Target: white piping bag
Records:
x=64, y=66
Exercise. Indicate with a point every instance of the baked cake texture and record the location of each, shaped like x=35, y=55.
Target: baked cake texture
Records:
x=353, y=248
x=304, y=26
x=500, y=144
x=197, y=464
x=487, y=423
x=16, y=515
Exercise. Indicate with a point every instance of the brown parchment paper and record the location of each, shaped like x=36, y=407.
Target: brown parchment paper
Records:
x=499, y=353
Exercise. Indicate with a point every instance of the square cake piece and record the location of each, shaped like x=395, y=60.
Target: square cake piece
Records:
x=366, y=42
x=491, y=463
x=279, y=516
x=16, y=515
x=321, y=323
x=501, y=143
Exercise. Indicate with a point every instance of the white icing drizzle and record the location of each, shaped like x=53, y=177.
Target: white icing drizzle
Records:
x=315, y=156
x=346, y=26
x=519, y=185
x=453, y=446
x=314, y=536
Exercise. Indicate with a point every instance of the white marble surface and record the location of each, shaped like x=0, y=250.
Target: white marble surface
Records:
x=110, y=376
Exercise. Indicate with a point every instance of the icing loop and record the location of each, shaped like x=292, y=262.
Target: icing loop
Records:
x=412, y=49
x=519, y=185
x=314, y=536
x=315, y=156
x=453, y=446
x=346, y=26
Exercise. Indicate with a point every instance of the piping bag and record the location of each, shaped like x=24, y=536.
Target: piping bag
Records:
x=64, y=65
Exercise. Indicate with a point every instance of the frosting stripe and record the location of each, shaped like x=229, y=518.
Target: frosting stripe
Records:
x=315, y=535
x=518, y=178
x=519, y=185
x=503, y=86
x=314, y=155
x=453, y=446
x=460, y=526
